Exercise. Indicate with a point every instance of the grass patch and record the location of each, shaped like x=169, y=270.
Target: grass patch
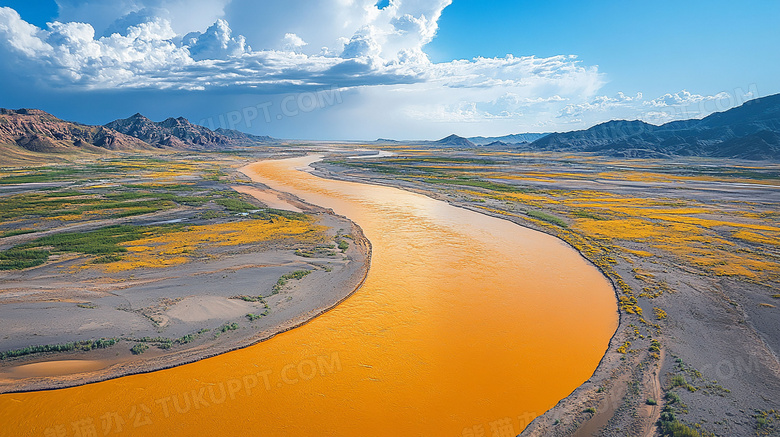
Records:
x=580, y=213
x=235, y=205
x=52, y=174
x=103, y=241
x=270, y=213
x=17, y=232
x=549, y=218
x=18, y=259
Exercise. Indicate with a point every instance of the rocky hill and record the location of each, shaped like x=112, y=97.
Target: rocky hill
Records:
x=39, y=131
x=171, y=132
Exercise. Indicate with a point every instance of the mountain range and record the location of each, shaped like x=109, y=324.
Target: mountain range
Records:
x=38, y=131
x=750, y=131
x=179, y=133
x=507, y=139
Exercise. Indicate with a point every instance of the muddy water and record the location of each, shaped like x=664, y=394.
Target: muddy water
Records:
x=463, y=321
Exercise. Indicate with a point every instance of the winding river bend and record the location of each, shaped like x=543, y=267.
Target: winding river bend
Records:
x=464, y=320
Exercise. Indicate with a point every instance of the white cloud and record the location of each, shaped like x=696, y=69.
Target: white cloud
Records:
x=116, y=16
x=215, y=43
x=599, y=104
x=20, y=36
x=292, y=42
x=682, y=98
x=385, y=50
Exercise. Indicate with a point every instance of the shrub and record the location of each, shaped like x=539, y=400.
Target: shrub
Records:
x=298, y=274
x=139, y=348
x=672, y=398
x=85, y=345
x=677, y=429
x=679, y=381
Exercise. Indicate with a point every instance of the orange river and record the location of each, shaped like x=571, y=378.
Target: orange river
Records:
x=466, y=325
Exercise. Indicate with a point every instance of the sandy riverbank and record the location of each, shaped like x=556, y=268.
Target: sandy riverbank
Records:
x=56, y=303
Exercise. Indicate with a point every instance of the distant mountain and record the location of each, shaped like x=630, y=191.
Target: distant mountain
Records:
x=244, y=138
x=498, y=144
x=509, y=139
x=39, y=131
x=750, y=131
x=453, y=141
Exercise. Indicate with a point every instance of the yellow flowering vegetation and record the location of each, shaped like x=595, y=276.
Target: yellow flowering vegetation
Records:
x=181, y=246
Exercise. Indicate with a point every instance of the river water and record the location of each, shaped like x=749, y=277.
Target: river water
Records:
x=465, y=324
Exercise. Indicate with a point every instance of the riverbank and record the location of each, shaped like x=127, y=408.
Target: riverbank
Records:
x=237, y=286
x=678, y=322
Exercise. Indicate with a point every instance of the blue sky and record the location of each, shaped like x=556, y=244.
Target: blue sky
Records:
x=410, y=69
x=651, y=47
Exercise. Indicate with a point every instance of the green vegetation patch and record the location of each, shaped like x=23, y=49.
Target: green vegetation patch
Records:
x=493, y=186
x=225, y=328
x=104, y=241
x=549, y=218
x=297, y=275
x=55, y=174
x=235, y=205
x=85, y=345
x=51, y=205
x=17, y=259
x=14, y=232
x=139, y=348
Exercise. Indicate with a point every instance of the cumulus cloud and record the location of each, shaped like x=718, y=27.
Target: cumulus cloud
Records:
x=292, y=42
x=116, y=16
x=599, y=104
x=215, y=43
x=682, y=98
x=385, y=50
